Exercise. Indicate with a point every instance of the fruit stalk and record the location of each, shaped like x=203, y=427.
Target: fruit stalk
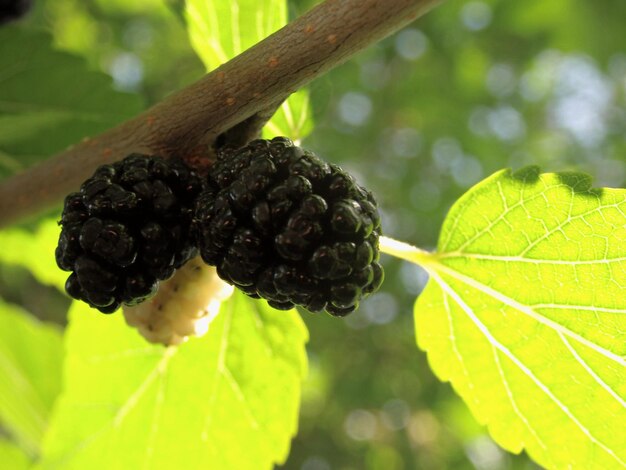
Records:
x=406, y=252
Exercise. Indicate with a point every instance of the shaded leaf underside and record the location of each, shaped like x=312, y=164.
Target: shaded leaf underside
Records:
x=49, y=99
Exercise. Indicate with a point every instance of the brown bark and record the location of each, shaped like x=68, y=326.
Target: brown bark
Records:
x=244, y=89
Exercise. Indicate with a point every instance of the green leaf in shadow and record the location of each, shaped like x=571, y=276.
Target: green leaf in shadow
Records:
x=49, y=99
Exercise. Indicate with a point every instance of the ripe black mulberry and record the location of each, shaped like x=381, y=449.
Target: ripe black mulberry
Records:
x=281, y=224
x=11, y=10
x=127, y=228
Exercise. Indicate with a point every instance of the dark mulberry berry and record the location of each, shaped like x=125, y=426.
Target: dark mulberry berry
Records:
x=126, y=229
x=11, y=10
x=281, y=224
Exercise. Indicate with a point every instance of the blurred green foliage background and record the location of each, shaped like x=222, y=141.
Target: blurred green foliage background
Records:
x=472, y=87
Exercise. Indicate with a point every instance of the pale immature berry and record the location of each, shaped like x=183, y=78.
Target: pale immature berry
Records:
x=184, y=306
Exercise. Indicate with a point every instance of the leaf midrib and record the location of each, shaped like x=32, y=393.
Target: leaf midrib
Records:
x=521, y=259
x=527, y=310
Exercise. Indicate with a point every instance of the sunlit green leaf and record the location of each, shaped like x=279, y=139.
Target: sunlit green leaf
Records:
x=12, y=457
x=293, y=118
x=30, y=375
x=525, y=314
x=228, y=400
x=49, y=99
x=34, y=251
x=221, y=30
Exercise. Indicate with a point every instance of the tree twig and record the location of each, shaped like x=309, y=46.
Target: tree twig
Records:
x=245, y=87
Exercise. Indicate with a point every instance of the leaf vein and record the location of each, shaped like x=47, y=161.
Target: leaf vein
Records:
x=453, y=341
x=511, y=398
x=520, y=259
x=595, y=376
x=485, y=331
x=221, y=358
x=236, y=388
x=528, y=311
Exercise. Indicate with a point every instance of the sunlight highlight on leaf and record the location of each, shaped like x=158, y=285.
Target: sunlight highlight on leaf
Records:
x=130, y=404
x=525, y=314
x=12, y=457
x=221, y=30
x=31, y=356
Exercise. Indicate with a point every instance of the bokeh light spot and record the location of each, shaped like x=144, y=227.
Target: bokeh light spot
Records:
x=355, y=108
x=476, y=15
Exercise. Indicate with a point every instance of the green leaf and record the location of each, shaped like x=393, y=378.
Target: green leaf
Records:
x=228, y=400
x=525, y=314
x=49, y=99
x=30, y=375
x=12, y=457
x=293, y=118
x=34, y=251
x=220, y=30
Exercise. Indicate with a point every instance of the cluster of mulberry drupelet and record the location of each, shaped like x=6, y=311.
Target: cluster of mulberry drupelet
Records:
x=11, y=10
x=281, y=224
x=275, y=220
x=126, y=229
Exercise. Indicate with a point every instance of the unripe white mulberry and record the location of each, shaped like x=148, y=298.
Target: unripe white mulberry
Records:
x=184, y=306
